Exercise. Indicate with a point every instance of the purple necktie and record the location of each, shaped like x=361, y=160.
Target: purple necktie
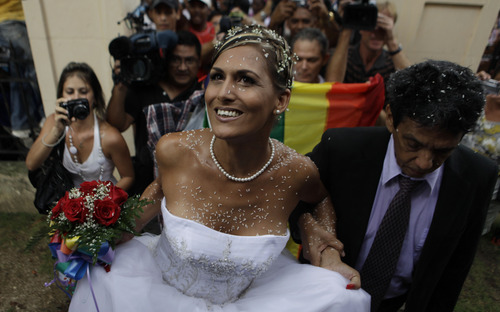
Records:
x=381, y=261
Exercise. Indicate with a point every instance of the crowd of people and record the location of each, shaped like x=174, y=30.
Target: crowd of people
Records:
x=226, y=197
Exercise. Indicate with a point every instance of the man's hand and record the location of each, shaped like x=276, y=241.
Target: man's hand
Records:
x=483, y=75
x=330, y=259
x=319, y=9
x=386, y=23
x=283, y=10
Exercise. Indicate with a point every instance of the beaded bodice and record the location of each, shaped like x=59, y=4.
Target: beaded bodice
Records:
x=204, y=263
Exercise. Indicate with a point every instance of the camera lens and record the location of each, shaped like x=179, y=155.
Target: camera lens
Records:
x=80, y=111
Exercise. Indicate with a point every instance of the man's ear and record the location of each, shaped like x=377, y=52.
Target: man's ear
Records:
x=283, y=100
x=326, y=58
x=389, y=122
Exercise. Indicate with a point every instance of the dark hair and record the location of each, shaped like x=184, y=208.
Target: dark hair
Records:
x=87, y=74
x=187, y=38
x=244, y=6
x=312, y=34
x=214, y=13
x=436, y=94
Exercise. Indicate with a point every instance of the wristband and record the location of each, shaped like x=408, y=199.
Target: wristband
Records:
x=392, y=53
x=54, y=144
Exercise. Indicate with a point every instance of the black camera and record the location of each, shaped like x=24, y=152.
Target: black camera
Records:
x=229, y=21
x=78, y=108
x=300, y=3
x=141, y=55
x=361, y=15
x=491, y=86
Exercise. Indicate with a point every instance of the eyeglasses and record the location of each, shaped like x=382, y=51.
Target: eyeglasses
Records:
x=189, y=61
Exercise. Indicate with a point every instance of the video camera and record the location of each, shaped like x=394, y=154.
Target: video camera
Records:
x=135, y=19
x=361, y=15
x=142, y=55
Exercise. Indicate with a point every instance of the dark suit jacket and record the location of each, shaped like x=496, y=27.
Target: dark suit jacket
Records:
x=350, y=163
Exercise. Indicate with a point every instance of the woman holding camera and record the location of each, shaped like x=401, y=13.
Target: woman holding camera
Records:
x=92, y=147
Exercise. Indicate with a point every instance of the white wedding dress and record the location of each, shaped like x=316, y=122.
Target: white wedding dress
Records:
x=191, y=267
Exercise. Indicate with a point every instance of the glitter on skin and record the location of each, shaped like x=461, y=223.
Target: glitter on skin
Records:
x=248, y=208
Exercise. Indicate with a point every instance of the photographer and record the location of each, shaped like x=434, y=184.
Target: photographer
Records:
x=290, y=16
x=92, y=146
x=368, y=57
x=176, y=83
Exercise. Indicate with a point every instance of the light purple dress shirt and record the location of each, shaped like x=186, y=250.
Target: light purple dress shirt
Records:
x=423, y=203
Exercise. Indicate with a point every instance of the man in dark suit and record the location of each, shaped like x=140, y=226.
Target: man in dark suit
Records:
x=430, y=107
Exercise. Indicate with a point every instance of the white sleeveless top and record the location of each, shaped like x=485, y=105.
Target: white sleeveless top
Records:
x=96, y=167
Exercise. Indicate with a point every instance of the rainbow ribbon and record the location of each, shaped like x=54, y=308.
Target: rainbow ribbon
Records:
x=73, y=261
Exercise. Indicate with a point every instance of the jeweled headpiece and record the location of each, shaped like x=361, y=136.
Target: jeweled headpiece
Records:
x=274, y=48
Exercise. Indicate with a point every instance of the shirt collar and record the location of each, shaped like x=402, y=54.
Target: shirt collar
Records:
x=391, y=168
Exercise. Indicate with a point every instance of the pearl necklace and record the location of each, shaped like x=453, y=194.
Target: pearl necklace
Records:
x=73, y=150
x=250, y=178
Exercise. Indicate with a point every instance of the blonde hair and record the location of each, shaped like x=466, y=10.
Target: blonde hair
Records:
x=390, y=7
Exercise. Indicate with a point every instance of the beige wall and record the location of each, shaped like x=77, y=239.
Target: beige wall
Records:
x=453, y=30
x=80, y=30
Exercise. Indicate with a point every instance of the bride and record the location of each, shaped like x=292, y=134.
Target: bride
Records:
x=225, y=195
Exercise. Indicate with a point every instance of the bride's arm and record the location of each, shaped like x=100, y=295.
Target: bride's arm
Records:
x=317, y=230
x=154, y=194
x=314, y=217
x=165, y=159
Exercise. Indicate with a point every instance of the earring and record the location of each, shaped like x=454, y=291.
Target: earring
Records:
x=278, y=111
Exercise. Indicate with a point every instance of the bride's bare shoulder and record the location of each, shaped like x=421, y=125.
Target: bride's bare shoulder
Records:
x=177, y=144
x=288, y=157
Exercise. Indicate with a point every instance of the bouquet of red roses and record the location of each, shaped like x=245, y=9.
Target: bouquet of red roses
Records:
x=85, y=224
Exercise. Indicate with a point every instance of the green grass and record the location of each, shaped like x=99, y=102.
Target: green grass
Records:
x=16, y=230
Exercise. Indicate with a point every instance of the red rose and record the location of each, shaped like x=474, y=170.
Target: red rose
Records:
x=106, y=212
x=56, y=211
x=74, y=210
x=117, y=195
x=88, y=187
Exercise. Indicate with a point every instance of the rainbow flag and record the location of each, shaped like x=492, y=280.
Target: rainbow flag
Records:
x=316, y=107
